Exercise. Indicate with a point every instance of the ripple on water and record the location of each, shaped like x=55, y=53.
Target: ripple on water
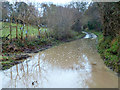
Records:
x=66, y=66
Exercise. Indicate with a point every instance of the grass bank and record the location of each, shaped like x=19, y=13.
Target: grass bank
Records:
x=109, y=50
x=18, y=50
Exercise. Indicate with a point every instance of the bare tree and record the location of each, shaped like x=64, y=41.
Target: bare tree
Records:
x=60, y=20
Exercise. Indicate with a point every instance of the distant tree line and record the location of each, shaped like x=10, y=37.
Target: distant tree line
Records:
x=20, y=12
x=62, y=20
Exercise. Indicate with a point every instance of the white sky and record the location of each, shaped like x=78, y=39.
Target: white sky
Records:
x=58, y=2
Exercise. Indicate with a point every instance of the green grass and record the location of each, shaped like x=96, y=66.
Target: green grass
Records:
x=1, y=57
x=32, y=30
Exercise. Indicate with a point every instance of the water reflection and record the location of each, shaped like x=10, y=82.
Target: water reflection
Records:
x=72, y=65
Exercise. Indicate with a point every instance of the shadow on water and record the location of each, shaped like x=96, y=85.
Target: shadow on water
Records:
x=71, y=65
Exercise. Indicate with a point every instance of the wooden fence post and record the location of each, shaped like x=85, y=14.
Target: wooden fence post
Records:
x=16, y=30
x=46, y=33
x=10, y=32
x=27, y=31
x=22, y=32
x=38, y=31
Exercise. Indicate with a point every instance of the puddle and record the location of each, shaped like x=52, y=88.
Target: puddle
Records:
x=71, y=65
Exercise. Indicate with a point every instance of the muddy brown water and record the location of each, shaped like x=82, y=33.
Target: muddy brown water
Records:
x=71, y=65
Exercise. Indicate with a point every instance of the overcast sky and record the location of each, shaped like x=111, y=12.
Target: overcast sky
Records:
x=59, y=2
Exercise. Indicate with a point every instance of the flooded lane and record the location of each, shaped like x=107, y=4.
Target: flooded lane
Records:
x=71, y=65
